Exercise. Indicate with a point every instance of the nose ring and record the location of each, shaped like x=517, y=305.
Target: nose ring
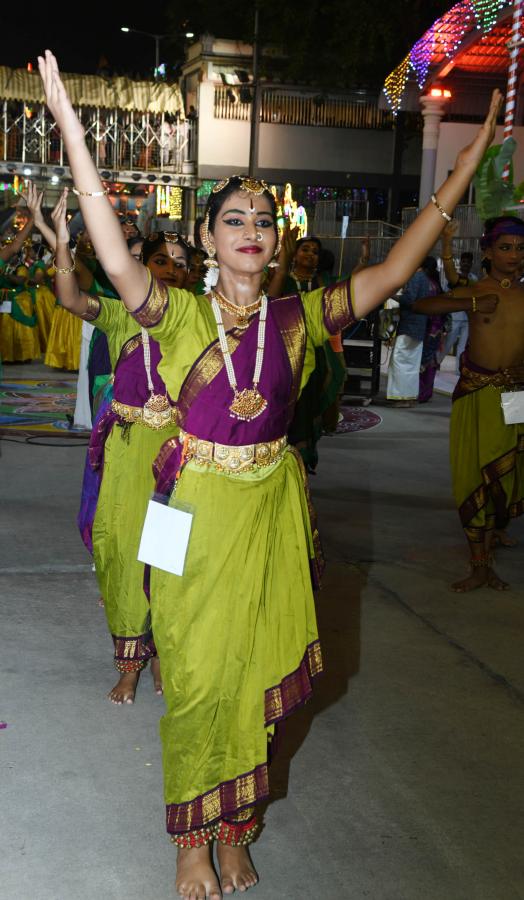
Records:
x=259, y=235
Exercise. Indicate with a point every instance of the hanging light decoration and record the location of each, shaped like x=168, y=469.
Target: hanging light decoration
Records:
x=486, y=13
x=443, y=38
x=420, y=56
x=395, y=84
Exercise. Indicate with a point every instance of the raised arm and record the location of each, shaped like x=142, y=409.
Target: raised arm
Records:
x=33, y=197
x=127, y=274
x=66, y=285
x=18, y=241
x=374, y=285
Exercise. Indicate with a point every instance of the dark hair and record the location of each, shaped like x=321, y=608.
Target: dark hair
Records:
x=430, y=267
x=467, y=254
x=215, y=201
x=157, y=239
x=196, y=251
x=499, y=225
x=138, y=239
x=309, y=240
x=326, y=260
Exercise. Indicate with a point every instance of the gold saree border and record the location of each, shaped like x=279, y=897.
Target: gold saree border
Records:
x=224, y=801
x=155, y=304
x=338, y=306
x=296, y=688
x=204, y=370
x=93, y=309
x=491, y=487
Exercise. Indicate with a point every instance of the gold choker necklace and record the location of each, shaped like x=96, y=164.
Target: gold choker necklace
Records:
x=241, y=313
x=506, y=282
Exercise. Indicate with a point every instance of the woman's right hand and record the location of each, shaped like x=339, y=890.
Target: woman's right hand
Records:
x=33, y=197
x=59, y=217
x=57, y=99
x=487, y=303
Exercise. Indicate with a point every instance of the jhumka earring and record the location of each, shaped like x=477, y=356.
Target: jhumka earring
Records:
x=274, y=262
x=211, y=262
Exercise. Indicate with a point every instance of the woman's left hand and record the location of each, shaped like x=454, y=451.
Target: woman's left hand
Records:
x=57, y=98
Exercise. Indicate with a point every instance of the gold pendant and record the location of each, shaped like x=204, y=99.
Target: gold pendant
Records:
x=156, y=411
x=505, y=283
x=248, y=404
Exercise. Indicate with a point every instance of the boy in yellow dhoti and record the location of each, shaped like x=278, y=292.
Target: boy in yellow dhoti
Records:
x=487, y=456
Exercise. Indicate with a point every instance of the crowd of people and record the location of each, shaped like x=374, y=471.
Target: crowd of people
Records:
x=209, y=394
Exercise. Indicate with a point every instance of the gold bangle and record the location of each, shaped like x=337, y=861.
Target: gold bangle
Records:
x=64, y=271
x=446, y=257
x=442, y=212
x=473, y=304
x=90, y=193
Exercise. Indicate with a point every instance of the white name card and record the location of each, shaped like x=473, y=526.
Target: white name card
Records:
x=165, y=537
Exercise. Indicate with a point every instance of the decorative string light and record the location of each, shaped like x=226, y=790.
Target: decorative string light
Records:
x=395, y=85
x=420, y=56
x=486, y=13
x=443, y=38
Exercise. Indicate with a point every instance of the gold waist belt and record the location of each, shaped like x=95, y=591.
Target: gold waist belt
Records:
x=156, y=413
x=231, y=458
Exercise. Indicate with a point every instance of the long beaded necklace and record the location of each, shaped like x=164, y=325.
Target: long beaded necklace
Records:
x=249, y=403
x=156, y=411
x=299, y=281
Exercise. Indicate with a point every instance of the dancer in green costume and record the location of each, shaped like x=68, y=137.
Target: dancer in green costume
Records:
x=236, y=631
x=126, y=438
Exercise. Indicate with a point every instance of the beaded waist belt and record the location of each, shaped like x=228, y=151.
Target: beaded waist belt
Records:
x=231, y=458
x=156, y=413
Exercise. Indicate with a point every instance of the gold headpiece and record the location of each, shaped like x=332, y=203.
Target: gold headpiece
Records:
x=247, y=184
x=169, y=237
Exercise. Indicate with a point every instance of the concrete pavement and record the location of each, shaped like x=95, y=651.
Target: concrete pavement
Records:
x=409, y=784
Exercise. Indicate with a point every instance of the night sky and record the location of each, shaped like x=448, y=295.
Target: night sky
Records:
x=82, y=32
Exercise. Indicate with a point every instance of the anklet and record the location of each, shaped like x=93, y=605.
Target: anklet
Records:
x=197, y=838
x=480, y=562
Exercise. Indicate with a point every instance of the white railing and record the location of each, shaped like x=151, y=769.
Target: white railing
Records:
x=280, y=107
x=117, y=139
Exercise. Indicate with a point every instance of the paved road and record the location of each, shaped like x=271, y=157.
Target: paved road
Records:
x=409, y=785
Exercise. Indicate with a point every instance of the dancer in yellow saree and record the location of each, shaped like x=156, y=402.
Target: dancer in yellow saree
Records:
x=236, y=632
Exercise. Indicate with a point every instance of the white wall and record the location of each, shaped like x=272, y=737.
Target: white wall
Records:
x=224, y=144
x=221, y=142
x=455, y=135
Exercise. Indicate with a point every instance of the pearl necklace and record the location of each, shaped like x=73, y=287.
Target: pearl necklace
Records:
x=249, y=403
x=156, y=410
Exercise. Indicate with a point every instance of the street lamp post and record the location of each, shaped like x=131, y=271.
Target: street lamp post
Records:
x=156, y=37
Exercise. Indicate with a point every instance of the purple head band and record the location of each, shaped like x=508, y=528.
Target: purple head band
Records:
x=504, y=226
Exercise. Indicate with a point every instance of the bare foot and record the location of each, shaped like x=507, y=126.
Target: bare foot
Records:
x=195, y=876
x=402, y=404
x=236, y=869
x=502, y=539
x=157, y=677
x=495, y=582
x=125, y=689
x=478, y=577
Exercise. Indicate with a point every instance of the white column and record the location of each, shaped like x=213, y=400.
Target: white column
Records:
x=432, y=109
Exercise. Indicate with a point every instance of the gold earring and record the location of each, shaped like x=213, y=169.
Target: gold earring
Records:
x=274, y=262
x=210, y=249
